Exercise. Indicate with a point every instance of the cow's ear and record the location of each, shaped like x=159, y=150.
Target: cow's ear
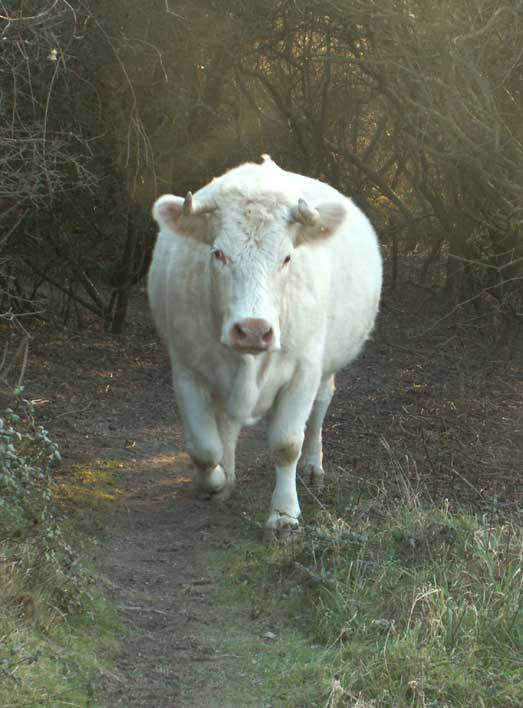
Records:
x=182, y=217
x=319, y=222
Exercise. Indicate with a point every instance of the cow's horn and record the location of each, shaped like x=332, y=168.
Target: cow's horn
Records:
x=187, y=205
x=189, y=209
x=304, y=214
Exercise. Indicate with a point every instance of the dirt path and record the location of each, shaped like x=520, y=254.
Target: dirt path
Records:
x=445, y=420
x=163, y=553
x=155, y=556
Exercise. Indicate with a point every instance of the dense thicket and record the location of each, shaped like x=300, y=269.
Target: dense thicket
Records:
x=410, y=106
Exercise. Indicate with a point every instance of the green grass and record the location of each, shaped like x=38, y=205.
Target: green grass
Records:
x=278, y=672
x=49, y=656
x=267, y=661
x=414, y=605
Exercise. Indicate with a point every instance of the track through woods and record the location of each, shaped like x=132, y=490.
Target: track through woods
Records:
x=446, y=419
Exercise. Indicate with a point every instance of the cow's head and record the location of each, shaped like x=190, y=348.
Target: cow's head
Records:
x=251, y=243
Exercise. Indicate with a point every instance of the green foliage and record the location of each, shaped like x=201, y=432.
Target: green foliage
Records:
x=52, y=626
x=28, y=513
x=27, y=457
x=418, y=606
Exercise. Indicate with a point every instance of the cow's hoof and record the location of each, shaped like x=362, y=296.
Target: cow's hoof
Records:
x=285, y=531
x=211, y=481
x=223, y=494
x=314, y=476
x=281, y=522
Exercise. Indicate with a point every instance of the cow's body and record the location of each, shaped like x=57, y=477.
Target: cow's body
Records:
x=252, y=334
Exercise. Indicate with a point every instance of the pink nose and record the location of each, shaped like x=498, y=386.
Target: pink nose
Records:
x=252, y=334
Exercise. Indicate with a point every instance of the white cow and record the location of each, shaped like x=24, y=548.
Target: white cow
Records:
x=263, y=285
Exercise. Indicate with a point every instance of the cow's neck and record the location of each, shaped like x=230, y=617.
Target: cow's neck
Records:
x=246, y=385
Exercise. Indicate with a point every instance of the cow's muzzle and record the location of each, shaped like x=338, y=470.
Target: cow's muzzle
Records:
x=252, y=336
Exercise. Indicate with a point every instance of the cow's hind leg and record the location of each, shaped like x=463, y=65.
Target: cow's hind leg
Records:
x=203, y=439
x=310, y=465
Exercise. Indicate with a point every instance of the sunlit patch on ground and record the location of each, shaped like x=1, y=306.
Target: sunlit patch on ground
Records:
x=175, y=482
x=172, y=461
x=90, y=484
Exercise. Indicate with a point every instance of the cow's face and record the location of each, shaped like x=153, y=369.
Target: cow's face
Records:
x=251, y=242
x=251, y=257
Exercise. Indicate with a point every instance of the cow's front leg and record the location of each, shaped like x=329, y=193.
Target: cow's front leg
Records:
x=229, y=431
x=286, y=433
x=203, y=440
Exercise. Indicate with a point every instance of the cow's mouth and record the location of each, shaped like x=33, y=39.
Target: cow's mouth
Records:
x=250, y=350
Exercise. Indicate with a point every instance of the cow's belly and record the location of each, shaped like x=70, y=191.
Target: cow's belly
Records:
x=350, y=322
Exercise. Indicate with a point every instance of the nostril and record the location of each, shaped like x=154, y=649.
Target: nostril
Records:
x=252, y=334
x=238, y=332
x=267, y=337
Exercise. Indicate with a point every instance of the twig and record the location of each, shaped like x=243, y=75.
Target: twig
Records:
x=67, y=291
x=22, y=347
x=72, y=412
x=26, y=18
x=137, y=608
x=12, y=229
x=464, y=479
x=25, y=342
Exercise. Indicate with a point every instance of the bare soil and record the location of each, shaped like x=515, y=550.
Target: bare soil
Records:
x=439, y=410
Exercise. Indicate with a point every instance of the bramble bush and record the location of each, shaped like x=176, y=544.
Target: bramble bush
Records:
x=30, y=523
x=27, y=457
x=56, y=631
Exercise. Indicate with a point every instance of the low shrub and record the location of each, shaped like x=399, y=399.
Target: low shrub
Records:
x=52, y=626
x=28, y=514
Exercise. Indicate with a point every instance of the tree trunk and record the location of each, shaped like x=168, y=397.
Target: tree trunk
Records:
x=127, y=272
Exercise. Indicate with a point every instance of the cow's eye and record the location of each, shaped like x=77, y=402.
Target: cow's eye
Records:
x=286, y=260
x=219, y=255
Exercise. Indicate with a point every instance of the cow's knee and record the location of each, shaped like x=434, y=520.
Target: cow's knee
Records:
x=286, y=449
x=209, y=477
x=205, y=454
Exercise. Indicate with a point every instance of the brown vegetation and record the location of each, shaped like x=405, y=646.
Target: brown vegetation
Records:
x=411, y=108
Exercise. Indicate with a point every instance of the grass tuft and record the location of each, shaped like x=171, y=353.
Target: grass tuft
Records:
x=53, y=648
x=417, y=606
